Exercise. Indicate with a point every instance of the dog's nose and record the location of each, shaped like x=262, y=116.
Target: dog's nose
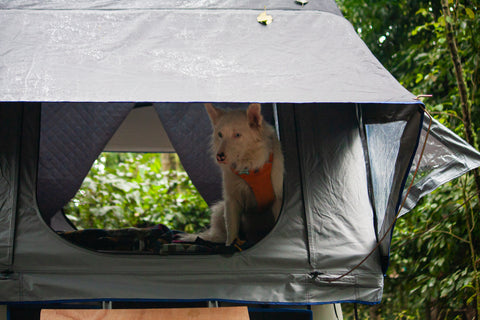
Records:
x=221, y=157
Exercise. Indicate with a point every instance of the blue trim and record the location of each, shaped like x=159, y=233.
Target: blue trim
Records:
x=39, y=302
x=253, y=309
x=357, y=102
x=343, y=102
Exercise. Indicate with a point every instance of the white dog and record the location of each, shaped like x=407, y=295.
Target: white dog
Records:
x=250, y=156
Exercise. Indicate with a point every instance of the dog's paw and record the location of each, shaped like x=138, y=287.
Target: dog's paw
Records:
x=229, y=243
x=186, y=237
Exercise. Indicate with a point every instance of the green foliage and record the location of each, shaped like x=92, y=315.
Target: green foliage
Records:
x=434, y=254
x=125, y=190
x=431, y=259
x=408, y=37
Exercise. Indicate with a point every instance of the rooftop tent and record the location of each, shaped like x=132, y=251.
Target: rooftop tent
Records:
x=71, y=73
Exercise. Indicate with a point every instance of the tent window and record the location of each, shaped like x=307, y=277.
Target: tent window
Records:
x=72, y=137
x=136, y=194
x=383, y=142
x=140, y=190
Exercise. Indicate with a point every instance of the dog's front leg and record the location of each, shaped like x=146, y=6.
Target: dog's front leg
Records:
x=232, y=221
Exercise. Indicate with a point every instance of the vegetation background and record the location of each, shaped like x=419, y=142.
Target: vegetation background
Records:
x=140, y=190
x=435, y=248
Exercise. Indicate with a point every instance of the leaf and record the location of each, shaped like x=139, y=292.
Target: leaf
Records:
x=470, y=13
x=421, y=11
x=419, y=78
x=470, y=300
x=441, y=21
x=264, y=18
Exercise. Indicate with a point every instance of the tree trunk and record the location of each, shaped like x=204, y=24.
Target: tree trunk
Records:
x=169, y=161
x=461, y=83
x=467, y=122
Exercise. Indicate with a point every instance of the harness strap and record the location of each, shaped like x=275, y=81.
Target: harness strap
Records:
x=260, y=182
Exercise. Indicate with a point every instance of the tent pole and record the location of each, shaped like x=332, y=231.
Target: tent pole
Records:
x=275, y=117
x=327, y=311
x=213, y=304
x=3, y=312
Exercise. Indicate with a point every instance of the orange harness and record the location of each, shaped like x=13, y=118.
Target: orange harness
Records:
x=260, y=181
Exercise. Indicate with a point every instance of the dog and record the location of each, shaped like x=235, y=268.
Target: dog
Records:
x=250, y=157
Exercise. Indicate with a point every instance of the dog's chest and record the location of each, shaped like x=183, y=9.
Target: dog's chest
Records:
x=254, y=187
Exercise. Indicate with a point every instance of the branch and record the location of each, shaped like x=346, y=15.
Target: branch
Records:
x=448, y=233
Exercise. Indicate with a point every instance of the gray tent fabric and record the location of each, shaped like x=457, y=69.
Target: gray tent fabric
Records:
x=71, y=71
x=143, y=51
x=446, y=157
x=275, y=270
x=335, y=188
x=336, y=162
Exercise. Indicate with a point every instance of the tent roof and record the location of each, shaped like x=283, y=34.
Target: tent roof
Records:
x=186, y=51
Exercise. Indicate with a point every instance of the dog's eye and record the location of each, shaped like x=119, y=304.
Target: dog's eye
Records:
x=237, y=135
x=220, y=135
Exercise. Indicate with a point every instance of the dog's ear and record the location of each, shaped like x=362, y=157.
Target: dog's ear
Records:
x=214, y=113
x=254, y=115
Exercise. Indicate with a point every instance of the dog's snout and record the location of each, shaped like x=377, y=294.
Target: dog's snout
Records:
x=221, y=157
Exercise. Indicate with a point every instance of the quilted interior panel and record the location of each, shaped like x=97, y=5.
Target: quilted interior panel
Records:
x=72, y=135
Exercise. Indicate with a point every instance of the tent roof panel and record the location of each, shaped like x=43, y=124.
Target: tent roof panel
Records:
x=178, y=55
x=322, y=5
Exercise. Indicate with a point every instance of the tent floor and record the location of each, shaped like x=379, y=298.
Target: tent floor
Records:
x=158, y=240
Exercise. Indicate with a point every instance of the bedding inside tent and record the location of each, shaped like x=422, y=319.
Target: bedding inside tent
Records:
x=72, y=72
